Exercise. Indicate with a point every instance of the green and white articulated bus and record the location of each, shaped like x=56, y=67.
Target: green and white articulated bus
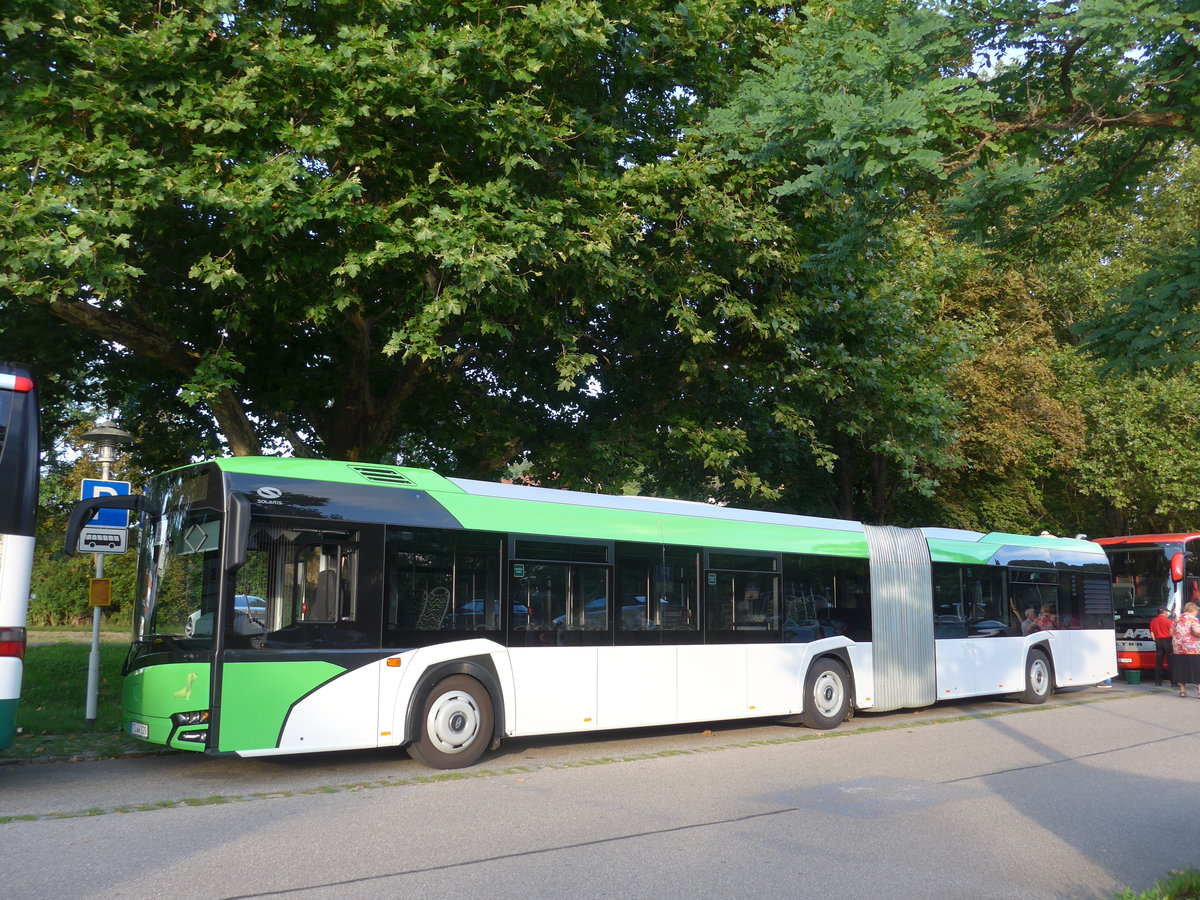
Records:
x=290, y=605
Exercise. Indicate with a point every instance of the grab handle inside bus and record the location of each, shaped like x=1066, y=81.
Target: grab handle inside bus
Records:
x=237, y=530
x=85, y=511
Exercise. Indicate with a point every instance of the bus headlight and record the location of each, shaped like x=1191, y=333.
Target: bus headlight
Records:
x=199, y=717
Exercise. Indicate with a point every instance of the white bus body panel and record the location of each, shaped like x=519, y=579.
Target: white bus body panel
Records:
x=554, y=689
x=712, y=682
x=557, y=690
x=775, y=678
x=1091, y=657
x=638, y=686
x=862, y=664
x=1000, y=663
x=398, y=682
x=340, y=715
x=955, y=668
x=16, y=568
x=561, y=690
x=977, y=667
x=11, y=672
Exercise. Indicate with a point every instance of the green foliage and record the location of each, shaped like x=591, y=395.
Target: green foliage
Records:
x=1183, y=884
x=862, y=105
x=349, y=224
x=1016, y=429
x=833, y=261
x=1143, y=449
x=1154, y=322
x=1150, y=318
x=1089, y=98
x=59, y=593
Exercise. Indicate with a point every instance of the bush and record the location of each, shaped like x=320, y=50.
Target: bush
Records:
x=59, y=592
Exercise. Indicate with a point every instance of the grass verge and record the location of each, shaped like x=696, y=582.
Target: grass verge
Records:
x=51, y=717
x=1181, y=885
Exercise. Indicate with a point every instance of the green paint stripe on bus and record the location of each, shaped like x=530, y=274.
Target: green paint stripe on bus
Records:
x=153, y=694
x=585, y=521
x=598, y=523
x=965, y=552
x=339, y=472
x=160, y=691
x=257, y=697
x=567, y=520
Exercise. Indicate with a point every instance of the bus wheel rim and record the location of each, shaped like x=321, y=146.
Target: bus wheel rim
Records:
x=453, y=722
x=1039, y=675
x=827, y=693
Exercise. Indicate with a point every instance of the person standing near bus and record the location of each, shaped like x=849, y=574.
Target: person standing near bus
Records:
x=1160, y=630
x=1185, y=655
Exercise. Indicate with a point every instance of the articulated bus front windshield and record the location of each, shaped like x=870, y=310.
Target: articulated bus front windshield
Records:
x=1141, y=578
x=179, y=567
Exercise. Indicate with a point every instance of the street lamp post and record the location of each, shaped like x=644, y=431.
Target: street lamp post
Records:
x=107, y=438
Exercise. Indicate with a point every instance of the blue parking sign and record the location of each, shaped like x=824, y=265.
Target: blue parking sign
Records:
x=107, y=518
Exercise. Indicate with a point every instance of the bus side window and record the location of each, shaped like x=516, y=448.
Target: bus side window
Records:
x=657, y=594
x=440, y=581
x=741, y=596
x=1038, y=590
x=949, y=609
x=826, y=596
x=983, y=596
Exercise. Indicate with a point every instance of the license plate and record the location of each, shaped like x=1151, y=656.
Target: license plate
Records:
x=139, y=729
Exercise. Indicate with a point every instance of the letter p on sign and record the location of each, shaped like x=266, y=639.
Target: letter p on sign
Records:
x=106, y=518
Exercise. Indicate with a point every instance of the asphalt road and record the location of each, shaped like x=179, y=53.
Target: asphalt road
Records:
x=1076, y=799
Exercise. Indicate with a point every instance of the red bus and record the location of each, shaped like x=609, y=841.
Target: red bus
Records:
x=1149, y=571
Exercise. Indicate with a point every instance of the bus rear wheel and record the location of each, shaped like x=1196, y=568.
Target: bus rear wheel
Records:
x=456, y=724
x=826, y=695
x=1039, y=678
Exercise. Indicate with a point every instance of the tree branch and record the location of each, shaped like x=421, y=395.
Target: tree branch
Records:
x=158, y=345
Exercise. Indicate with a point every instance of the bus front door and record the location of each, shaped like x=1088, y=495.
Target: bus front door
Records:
x=298, y=668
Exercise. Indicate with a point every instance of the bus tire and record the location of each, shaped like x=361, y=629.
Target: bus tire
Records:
x=826, y=695
x=455, y=726
x=1039, y=678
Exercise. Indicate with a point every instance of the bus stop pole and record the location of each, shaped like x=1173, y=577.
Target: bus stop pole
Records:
x=93, y=682
x=106, y=438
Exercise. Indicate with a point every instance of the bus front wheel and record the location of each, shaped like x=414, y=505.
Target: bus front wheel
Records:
x=1039, y=678
x=456, y=724
x=826, y=695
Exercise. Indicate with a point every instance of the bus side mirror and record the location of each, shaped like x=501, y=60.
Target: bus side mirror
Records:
x=237, y=531
x=85, y=511
x=1177, y=568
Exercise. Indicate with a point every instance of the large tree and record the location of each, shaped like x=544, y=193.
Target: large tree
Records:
x=620, y=242
x=364, y=228
x=1001, y=120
